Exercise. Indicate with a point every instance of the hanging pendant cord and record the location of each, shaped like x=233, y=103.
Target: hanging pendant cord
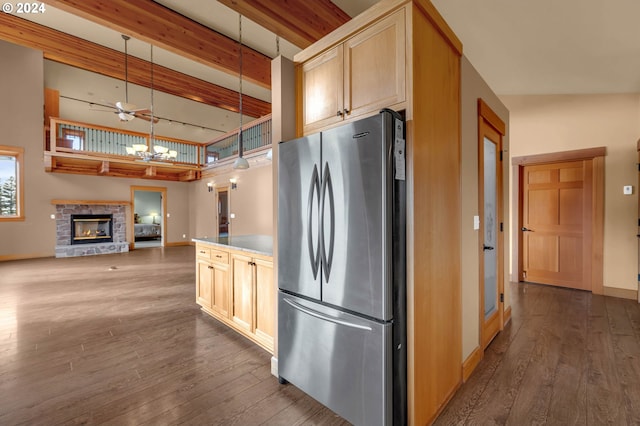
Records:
x=126, y=70
x=240, y=91
x=152, y=133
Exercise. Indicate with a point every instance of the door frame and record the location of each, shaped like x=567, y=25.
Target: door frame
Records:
x=596, y=156
x=220, y=189
x=488, y=118
x=163, y=214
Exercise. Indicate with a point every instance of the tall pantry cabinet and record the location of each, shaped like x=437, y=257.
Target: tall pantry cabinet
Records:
x=401, y=54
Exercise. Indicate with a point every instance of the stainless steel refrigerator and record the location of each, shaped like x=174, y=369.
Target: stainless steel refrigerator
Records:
x=341, y=268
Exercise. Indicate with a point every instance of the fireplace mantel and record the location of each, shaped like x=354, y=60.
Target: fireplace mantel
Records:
x=92, y=202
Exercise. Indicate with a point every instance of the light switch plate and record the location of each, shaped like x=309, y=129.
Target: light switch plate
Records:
x=627, y=190
x=476, y=222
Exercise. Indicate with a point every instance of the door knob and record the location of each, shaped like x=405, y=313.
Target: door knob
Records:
x=526, y=229
x=486, y=247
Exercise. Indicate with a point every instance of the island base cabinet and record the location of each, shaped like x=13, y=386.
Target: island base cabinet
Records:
x=204, y=283
x=212, y=279
x=243, y=297
x=265, y=321
x=254, y=298
x=238, y=289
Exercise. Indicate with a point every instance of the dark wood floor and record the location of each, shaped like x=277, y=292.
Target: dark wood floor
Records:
x=118, y=339
x=566, y=358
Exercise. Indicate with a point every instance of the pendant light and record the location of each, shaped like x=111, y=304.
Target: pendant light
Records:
x=240, y=163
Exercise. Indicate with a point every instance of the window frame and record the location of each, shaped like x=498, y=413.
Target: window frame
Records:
x=18, y=153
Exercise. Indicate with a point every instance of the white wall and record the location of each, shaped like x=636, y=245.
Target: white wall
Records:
x=251, y=202
x=21, y=124
x=555, y=123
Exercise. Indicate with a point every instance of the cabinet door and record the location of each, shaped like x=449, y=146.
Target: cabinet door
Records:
x=322, y=90
x=242, y=307
x=221, y=295
x=374, y=62
x=204, y=283
x=265, y=302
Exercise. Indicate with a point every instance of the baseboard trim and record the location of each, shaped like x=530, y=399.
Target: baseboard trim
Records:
x=469, y=365
x=274, y=366
x=622, y=293
x=507, y=315
x=9, y=257
x=179, y=244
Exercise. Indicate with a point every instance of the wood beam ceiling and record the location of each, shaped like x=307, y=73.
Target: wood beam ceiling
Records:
x=64, y=48
x=302, y=22
x=151, y=22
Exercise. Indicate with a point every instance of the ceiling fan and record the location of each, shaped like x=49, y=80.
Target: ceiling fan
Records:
x=125, y=110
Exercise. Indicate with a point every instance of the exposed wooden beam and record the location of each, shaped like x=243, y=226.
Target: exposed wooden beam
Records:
x=151, y=22
x=71, y=50
x=302, y=22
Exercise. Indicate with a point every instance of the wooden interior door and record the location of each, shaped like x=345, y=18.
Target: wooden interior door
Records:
x=556, y=223
x=491, y=250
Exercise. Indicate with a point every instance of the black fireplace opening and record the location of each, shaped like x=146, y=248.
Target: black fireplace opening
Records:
x=91, y=228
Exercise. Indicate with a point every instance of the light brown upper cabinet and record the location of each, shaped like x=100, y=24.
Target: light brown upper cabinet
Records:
x=363, y=74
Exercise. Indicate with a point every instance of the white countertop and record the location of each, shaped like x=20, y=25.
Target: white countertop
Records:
x=259, y=244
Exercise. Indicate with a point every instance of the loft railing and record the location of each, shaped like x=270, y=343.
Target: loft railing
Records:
x=256, y=137
x=82, y=138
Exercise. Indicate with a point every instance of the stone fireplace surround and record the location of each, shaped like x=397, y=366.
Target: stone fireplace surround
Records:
x=66, y=208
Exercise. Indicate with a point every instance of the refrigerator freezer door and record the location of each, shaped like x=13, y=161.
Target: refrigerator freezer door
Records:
x=357, y=216
x=341, y=360
x=299, y=177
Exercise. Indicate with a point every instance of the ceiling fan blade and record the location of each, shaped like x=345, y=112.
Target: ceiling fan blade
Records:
x=124, y=106
x=141, y=110
x=125, y=116
x=145, y=117
x=101, y=109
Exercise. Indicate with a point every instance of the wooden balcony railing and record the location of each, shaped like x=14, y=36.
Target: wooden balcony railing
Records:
x=82, y=148
x=256, y=137
x=74, y=137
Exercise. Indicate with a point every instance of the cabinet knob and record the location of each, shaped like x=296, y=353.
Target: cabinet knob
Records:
x=218, y=256
x=339, y=113
x=202, y=251
x=210, y=267
x=346, y=111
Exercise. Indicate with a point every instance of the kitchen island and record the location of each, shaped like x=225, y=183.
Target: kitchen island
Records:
x=234, y=284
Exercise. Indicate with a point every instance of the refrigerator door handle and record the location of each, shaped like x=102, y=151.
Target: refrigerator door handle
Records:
x=327, y=256
x=324, y=317
x=314, y=253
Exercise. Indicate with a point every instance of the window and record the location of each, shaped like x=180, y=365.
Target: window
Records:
x=71, y=138
x=11, y=198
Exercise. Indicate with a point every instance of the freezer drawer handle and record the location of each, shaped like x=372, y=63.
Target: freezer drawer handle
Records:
x=324, y=317
x=314, y=253
x=327, y=256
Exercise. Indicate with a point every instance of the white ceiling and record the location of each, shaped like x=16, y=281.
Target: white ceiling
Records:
x=518, y=46
x=550, y=46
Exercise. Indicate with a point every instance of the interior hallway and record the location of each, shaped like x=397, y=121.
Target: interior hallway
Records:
x=567, y=358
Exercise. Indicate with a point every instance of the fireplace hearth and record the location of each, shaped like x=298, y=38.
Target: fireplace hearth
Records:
x=91, y=228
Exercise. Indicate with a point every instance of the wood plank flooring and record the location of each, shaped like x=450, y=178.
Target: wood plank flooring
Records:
x=119, y=339
x=567, y=358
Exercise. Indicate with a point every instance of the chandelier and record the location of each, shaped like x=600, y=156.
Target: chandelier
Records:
x=142, y=150
x=159, y=152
